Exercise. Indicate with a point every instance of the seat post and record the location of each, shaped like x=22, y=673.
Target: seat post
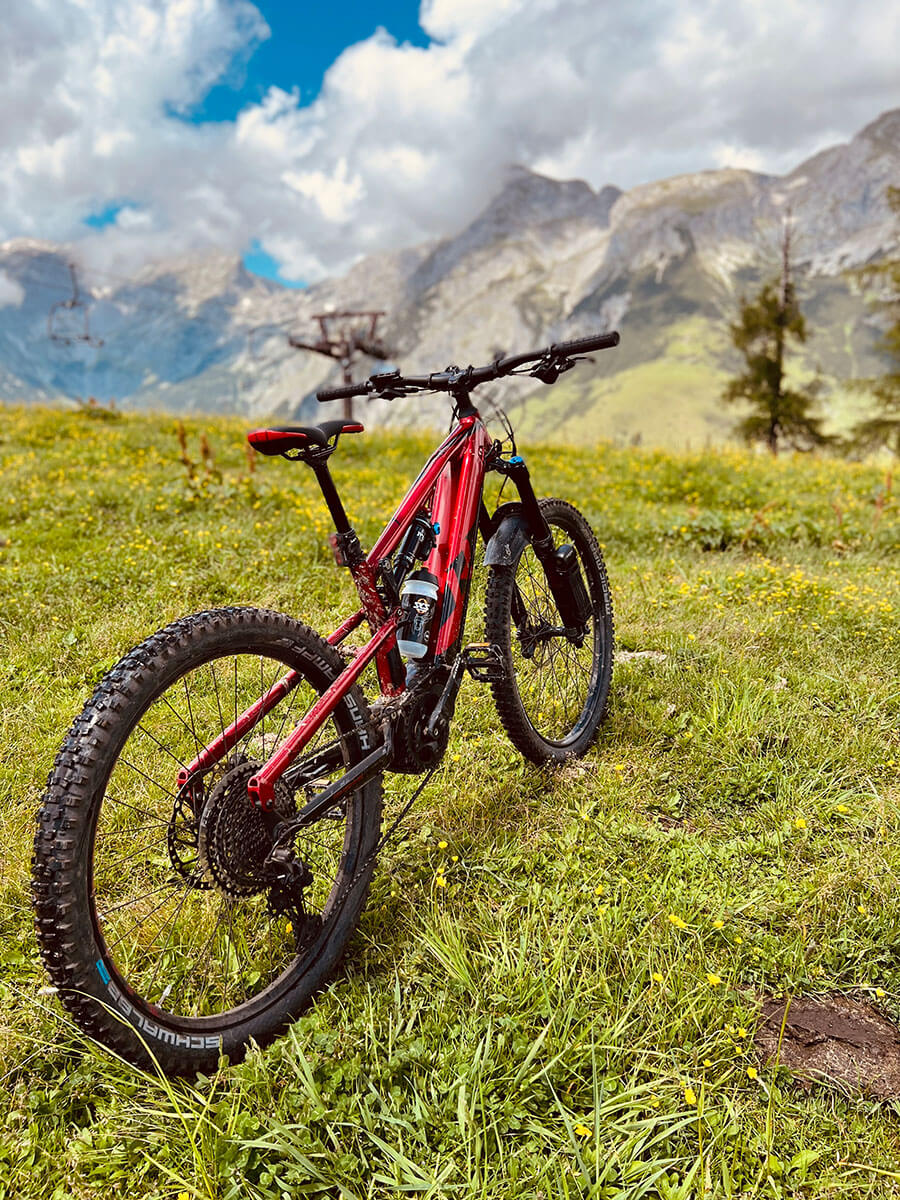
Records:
x=332, y=499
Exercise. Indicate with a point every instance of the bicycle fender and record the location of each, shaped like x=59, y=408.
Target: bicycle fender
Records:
x=508, y=540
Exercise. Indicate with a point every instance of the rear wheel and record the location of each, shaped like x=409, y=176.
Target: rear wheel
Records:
x=554, y=688
x=158, y=917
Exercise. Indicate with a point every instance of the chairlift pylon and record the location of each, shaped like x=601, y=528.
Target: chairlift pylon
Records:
x=66, y=328
x=344, y=336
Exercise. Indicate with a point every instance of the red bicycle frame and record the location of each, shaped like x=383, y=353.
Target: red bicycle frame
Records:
x=450, y=486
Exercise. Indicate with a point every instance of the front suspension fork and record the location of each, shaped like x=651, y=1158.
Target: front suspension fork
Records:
x=560, y=563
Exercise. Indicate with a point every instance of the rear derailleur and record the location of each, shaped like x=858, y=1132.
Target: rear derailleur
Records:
x=292, y=877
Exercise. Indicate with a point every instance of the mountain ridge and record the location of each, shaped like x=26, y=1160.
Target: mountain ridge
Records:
x=546, y=259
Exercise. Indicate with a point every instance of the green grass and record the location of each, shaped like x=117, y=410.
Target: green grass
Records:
x=572, y=1015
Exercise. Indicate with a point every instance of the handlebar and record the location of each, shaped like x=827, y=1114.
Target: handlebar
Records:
x=342, y=393
x=551, y=361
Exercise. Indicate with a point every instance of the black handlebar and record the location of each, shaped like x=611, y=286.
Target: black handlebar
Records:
x=551, y=360
x=342, y=393
x=600, y=341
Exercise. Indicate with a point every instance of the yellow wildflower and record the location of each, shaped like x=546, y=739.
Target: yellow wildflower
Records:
x=582, y=1130
x=712, y=980
x=752, y=1072
x=690, y=1096
x=677, y=921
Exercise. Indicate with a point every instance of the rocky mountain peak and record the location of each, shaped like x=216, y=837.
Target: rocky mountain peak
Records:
x=527, y=199
x=528, y=204
x=884, y=130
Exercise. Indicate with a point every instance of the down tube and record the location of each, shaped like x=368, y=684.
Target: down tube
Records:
x=461, y=549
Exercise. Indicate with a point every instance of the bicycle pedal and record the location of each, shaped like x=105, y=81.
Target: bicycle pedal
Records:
x=484, y=662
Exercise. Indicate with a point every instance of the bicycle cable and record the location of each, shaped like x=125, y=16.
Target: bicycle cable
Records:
x=385, y=838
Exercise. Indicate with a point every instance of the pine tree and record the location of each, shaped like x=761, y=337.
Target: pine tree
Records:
x=883, y=427
x=779, y=414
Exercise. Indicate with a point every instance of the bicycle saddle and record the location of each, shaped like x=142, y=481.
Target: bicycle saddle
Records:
x=278, y=439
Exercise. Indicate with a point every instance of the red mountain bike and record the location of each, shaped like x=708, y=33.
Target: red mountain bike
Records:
x=211, y=824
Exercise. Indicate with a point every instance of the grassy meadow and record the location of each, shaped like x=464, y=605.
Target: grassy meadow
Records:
x=573, y=1014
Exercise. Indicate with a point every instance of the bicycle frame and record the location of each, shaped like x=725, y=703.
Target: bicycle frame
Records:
x=451, y=485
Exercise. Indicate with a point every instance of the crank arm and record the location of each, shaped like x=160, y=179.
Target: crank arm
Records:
x=447, y=698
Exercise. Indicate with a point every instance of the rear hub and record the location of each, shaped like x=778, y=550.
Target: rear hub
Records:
x=236, y=837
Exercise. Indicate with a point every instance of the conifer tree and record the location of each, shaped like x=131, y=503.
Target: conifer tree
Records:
x=883, y=427
x=780, y=415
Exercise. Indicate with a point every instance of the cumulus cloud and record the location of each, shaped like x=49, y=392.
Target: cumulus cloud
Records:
x=11, y=292
x=406, y=142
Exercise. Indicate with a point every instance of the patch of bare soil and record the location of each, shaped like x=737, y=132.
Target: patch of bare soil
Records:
x=833, y=1039
x=664, y=821
x=624, y=656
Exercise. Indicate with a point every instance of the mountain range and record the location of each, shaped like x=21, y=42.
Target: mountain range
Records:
x=666, y=263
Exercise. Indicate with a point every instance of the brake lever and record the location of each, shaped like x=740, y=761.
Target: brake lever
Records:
x=550, y=368
x=382, y=385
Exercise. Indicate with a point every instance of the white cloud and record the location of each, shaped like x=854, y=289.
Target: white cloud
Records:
x=729, y=155
x=406, y=142
x=11, y=292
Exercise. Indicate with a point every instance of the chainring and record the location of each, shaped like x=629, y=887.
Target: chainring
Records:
x=415, y=750
x=235, y=836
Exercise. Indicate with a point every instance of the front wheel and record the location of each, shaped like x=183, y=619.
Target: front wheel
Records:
x=553, y=691
x=159, y=918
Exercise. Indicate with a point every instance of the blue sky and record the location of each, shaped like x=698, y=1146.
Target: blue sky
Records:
x=306, y=39
x=194, y=130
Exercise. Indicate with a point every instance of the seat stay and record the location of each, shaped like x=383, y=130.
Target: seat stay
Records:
x=251, y=717
x=262, y=786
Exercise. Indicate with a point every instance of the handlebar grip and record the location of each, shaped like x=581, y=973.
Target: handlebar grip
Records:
x=600, y=341
x=346, y=392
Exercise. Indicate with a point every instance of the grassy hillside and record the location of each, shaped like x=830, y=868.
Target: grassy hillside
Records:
x=662, y=386
x=573, y=1014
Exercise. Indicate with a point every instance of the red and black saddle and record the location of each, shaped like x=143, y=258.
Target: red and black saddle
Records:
x=301, y=441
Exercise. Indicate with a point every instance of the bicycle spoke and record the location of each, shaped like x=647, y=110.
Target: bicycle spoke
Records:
x=554, y=675
x=189, y=940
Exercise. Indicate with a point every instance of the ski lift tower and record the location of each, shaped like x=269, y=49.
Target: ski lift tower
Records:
x=345, y=336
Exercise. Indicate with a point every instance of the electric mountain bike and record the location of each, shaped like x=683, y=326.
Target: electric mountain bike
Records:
x=211, y=823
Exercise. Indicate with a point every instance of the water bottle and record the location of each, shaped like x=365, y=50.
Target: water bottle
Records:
x=418, y=600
